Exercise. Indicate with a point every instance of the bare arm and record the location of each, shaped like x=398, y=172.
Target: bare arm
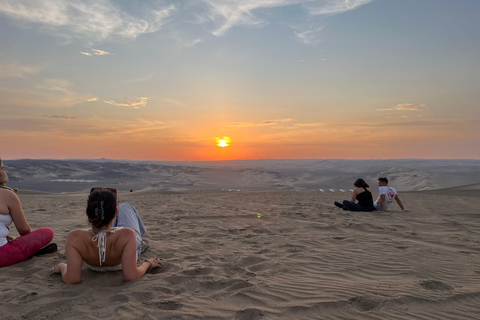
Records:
x=16, y=212
x=129, y=259
x=397, y=198
x=72, y=270
x=354, y=195
x=382, y=201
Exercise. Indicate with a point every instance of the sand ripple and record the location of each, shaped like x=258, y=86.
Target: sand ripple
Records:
x=302, y=258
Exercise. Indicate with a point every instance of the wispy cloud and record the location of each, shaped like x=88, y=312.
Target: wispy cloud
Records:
x=92, y=99
x=309, y=36
x=186, y=41
x=15, y=69
x=55, y=84
x=95, y=52
x=60, y=117
x=227, y=14
x=46, y=95
x=406, y=107
x=274, y=122
x=141, y=78
x=177, y=103
x=230, y=13
x=310, y=125
x=132, y=103
x=48, y=92
x=80, y=127
x=97, y=19
x=141, y=125
x=242, y=125
x=95, y=125
x=327, y=7
x=191, y=42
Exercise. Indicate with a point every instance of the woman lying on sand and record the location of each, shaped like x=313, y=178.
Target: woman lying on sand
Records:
x=14, y=250
x=104, y=247
x=362, y=194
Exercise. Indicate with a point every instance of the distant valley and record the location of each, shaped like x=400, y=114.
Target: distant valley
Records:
x=49, y=175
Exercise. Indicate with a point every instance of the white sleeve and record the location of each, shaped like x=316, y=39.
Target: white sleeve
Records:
x=382, y=190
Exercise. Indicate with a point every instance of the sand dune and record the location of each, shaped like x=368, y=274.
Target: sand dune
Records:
x=80, y=175
x=265, y=255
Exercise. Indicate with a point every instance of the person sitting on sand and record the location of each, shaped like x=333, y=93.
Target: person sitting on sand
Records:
x=114, y=242
x=362, y=194
x=386, y=195
x=14, y=250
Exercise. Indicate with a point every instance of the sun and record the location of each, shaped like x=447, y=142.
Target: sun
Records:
x=224, y=142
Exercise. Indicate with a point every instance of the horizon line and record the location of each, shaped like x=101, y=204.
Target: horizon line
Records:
x=231, y=160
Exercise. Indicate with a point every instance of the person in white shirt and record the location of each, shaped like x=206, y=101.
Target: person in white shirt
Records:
x=386, y=195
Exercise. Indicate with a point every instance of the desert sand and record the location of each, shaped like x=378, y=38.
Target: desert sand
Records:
x=265, y=255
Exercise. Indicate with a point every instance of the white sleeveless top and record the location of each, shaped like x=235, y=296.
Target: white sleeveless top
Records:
x=101, y=237
x=5, y=221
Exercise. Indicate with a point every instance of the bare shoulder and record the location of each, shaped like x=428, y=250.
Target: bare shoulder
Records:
x=126, y=233
x=76, y=235
x=8, y=195
x=78, y=232
x=125, y=236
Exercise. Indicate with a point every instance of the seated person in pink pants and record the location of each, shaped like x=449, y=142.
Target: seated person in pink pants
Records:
x=30, y=242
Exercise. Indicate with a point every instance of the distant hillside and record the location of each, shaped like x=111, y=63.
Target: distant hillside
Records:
x=76, y=175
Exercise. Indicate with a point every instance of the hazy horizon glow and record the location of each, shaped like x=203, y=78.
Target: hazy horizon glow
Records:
x=163, y=80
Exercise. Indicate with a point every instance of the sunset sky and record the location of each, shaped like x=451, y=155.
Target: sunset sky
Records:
x=164, y=80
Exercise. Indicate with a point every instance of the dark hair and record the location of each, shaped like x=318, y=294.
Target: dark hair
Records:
x=360, y=183
x=98, y=201
x=382, y=179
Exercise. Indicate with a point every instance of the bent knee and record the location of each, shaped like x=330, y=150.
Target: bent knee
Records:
x=125, y=207
x=47, y=233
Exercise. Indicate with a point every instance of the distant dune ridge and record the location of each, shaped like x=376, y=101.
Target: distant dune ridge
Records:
x=77, y=175
x=277, y=254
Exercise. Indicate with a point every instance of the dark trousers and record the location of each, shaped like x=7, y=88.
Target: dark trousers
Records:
x=352, y=206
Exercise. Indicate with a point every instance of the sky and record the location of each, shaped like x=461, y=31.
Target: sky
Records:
x=282, y=79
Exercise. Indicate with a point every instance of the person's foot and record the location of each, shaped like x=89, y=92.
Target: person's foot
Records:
x=49, y=248
x=338, y=204
x=345, y=208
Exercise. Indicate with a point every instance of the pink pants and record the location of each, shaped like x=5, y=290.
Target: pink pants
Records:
x=25, y=246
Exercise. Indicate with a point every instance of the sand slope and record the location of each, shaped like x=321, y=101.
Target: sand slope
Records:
x=80, y=175
x=302, y=258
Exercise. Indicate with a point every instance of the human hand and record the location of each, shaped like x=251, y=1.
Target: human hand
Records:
x=154, y=263
x=57, y=269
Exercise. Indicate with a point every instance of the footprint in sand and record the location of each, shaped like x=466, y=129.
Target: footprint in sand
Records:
x=249, y=314
x=435, y=285
x=198, y=271
x=166, y=305
x=365, y=303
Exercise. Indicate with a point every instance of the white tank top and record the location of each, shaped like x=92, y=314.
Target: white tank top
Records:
x=5, y=221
